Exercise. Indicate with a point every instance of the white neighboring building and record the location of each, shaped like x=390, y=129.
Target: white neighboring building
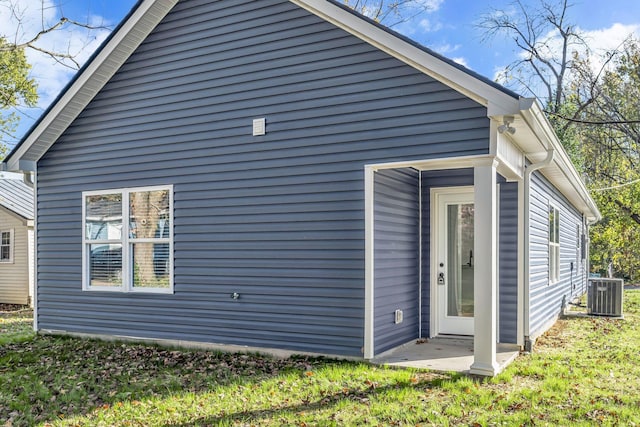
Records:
x=16, y=240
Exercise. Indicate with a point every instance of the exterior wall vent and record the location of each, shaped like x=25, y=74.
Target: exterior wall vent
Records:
x=605, y=297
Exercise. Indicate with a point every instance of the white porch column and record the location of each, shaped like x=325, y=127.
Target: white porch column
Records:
x=485, y=274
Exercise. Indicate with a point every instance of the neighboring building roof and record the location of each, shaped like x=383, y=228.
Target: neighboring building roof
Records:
x=536, y=139
x=15, y=195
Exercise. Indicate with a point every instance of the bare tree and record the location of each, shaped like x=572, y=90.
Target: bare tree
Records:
x=393, y=12
x=26, y=35
x=33, y=25
x=540, y=34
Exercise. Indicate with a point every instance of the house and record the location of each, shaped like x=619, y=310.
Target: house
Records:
x=16, y=239
x=290, y=175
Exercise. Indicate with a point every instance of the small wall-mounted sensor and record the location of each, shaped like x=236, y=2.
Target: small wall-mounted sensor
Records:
x=398, y=316
x=235, y=296
x=259, y=127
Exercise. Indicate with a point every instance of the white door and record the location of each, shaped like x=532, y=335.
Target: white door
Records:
x=452, y=271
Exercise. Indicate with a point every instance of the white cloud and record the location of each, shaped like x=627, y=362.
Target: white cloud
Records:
x=598, y=42
x=430, y=5
x=607, y=39
x=462, y=61
x=445, y=49
x=30, y=18
x=428, y=26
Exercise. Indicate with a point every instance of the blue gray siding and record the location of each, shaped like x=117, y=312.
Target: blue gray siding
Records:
x=277, y=218
x=545, y=299
x=508, y=262
x=397, y=257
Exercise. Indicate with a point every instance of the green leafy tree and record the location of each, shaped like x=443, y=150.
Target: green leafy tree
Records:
x=605, y=118
x=594, y=110
x=17, y=88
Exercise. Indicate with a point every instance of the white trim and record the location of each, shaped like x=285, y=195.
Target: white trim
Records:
x=420, y=254
x=125, y=241
x=35, y=251
x=521, y=260
x=496, y=100
x=436, y=195
x=554, y=276
x=369, y=258
x=485, y=274
x=498, y=190
x=369, y=171
x=443, y=163
x=108, y=60
x=11, y=245
x=572, y=187
x=533, y=139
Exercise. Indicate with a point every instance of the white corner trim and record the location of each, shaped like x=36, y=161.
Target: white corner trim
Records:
x=369, y=262
x=522, y=248
x=34, y=301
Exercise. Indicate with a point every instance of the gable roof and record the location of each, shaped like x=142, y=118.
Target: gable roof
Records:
x=16, y=196
x=538, y=138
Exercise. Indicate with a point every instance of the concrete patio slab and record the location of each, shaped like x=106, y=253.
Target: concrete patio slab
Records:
x=443, y=354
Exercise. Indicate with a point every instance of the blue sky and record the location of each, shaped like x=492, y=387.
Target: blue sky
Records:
x=448, y=29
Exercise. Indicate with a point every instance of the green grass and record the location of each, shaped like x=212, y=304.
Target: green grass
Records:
x=584, y=371
x=16, y=326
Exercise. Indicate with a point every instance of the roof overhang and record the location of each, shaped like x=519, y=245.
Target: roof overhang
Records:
x=535, y=134
x=87, y=83
x=535, y=137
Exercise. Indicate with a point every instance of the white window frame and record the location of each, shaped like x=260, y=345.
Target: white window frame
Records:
x=554, y=246
x=126, y=241
x=11, y=245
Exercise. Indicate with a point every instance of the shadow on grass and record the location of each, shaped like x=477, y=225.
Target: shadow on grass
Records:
x=326, y=402
x=64, y=379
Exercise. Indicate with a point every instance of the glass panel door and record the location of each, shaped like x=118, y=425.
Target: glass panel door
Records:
x=460, y=260
x=454, y=258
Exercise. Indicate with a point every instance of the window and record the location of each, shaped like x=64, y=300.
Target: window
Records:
x=6, y=246
x=128, y=256
x=554, y=244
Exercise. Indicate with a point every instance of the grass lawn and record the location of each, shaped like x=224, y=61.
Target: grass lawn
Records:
x=584, y=371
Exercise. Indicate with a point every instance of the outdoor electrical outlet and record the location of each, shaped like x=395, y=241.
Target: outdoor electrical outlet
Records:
x=398, y=316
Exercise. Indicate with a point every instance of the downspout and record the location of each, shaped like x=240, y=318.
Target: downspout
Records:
x=527, y=213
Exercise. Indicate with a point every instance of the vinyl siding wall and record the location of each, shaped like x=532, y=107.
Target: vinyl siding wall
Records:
x=278, y=218
x=14, y=276
x=508, y=262
x=546, y=299
x=397, y=257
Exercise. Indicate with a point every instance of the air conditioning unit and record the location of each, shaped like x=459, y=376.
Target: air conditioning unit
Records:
x=605, y=297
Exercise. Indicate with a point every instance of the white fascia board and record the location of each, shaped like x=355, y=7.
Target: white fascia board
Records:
x=541, y=127
x=496, y=101
x=93, y=78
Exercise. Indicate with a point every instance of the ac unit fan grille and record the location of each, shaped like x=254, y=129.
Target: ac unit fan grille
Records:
x=605, y=297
